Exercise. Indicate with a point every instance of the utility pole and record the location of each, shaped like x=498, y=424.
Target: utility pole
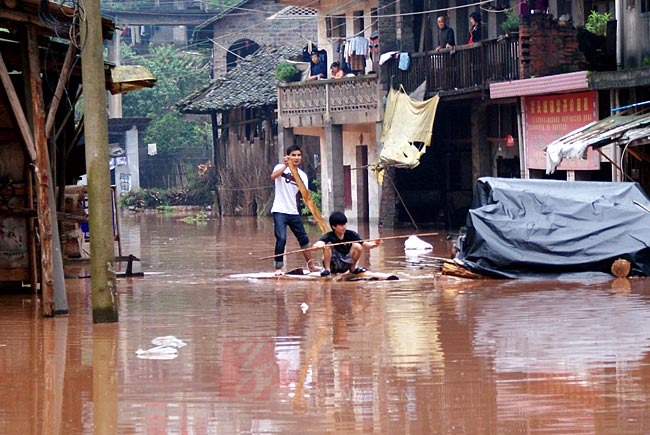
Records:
x=100, y=215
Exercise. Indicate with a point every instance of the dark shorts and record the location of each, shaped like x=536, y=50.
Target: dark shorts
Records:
x=340, y=263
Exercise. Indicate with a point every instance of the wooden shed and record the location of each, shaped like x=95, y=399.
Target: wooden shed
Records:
x=40, y=70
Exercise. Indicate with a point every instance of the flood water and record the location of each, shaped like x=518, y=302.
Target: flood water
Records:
x=422, y=355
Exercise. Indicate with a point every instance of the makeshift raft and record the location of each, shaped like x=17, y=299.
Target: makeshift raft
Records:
x=302, y=274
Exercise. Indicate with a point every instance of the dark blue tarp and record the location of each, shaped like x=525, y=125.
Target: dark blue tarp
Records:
x=519, y=228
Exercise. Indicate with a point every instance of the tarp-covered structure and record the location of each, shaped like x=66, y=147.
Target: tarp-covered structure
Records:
x=522, y=228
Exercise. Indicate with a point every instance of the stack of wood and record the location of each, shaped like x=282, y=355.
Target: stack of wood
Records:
x=71, y=235
x=455, y=268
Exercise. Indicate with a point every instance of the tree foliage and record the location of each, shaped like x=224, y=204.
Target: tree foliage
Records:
x=171, y=132
x=178, y=73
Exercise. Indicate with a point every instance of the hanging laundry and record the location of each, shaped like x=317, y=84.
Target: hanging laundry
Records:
x=404, y=61
x=407, y=125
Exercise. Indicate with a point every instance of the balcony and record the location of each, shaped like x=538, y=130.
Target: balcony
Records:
x=466, y=69
x=463, y=69
x=349, y=100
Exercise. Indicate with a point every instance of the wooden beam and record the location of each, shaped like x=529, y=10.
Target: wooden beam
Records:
x=42, y=174
x=60, y=86
x=23, y=125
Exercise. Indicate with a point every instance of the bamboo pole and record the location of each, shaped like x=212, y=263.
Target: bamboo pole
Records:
x=346, y=243
x=306, y=196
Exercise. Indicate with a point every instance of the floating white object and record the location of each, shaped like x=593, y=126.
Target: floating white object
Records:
x=416, y=243
x=166, y=348
x=304, y=307
x=158, y=352
x=169, y=341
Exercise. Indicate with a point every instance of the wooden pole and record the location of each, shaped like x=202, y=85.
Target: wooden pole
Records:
x=102, y=256
x=42, y=173
x=306, y=196
x=346, y=243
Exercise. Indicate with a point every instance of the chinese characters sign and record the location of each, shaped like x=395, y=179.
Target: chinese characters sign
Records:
x=551, y=117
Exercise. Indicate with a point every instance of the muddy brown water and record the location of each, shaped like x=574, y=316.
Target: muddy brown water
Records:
x=423, y=355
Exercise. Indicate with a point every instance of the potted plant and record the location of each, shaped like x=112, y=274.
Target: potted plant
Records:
x=287, y=72
x=597, y=23
x=511, y=24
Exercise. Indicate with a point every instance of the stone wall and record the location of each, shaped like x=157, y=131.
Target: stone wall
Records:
x=255, y=26
x=546, y=47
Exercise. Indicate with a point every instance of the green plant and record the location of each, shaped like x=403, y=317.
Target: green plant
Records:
x=646, y=61
x=315, y=196
x=511, y=24
x=287, y=72
x=597, y=23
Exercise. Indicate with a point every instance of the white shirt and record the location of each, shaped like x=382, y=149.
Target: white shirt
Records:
x=286, y=190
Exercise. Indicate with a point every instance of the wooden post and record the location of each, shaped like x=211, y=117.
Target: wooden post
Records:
x=42, y=173
x=102, y=254
x=306, y=196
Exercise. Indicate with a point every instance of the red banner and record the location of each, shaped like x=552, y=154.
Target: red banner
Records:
x=550, y=117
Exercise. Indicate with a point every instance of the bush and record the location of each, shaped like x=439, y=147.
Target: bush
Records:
x=511, y=24
x=287, y=72
x=597, y=23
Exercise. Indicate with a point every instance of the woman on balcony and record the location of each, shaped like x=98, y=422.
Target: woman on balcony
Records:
x=337, y=72
x=475, y=27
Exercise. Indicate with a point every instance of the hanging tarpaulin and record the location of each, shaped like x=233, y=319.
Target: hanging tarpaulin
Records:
x=407, y=130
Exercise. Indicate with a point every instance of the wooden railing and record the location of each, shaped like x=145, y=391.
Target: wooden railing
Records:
x=346, y=100
x=461, y=69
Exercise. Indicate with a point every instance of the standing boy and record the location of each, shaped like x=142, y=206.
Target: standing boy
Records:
x=344, y=257
x=285, y=208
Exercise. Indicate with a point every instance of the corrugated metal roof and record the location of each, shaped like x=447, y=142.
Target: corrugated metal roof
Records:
x=617, y=129
x=555, y=84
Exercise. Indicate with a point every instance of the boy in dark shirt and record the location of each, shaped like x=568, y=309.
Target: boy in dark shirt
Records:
x=343, y=257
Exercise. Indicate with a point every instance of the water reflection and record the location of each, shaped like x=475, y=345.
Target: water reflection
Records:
x=422, y=355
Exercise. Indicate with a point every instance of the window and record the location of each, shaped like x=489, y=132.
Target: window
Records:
x=357, y=22
x=645, y=6
x=125, y=182
x=335, y=26
x=375, y=21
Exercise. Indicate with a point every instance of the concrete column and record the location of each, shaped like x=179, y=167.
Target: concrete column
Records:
x=132, y=156
x=332, y=178
x=115, y=101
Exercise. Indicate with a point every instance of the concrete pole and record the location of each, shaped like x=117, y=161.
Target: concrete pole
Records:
x=102, y=255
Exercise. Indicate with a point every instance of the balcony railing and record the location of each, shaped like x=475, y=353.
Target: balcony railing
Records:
x=336, y=101
x=464, y=68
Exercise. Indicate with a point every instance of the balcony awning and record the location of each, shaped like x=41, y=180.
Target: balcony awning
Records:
x=624, y=130
x=127, y=78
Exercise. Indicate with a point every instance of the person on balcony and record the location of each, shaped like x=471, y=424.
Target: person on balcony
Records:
x=446, y=37
x=337, y=72
x=318, y=69
x=475, y=29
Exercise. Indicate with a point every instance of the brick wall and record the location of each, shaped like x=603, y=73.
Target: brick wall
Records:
x=547, y=48
x=255, y=26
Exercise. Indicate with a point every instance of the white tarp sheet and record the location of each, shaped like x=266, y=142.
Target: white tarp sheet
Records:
x=618, y=129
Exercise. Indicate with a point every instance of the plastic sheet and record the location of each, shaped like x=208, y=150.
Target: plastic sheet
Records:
x=519, y=228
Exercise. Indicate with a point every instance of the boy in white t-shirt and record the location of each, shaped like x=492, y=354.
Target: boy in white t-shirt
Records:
x=285, y=209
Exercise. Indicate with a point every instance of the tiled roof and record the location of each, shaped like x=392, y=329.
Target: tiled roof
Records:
x=250, y=84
